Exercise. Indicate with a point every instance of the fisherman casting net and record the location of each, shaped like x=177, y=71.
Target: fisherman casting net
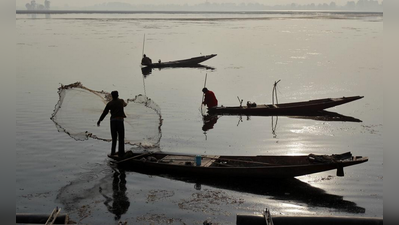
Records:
x=79, y=108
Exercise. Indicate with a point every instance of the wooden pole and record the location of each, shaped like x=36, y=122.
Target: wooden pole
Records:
x=137, y=156
x=203, y=94
x=142, y=53
x=274, y=92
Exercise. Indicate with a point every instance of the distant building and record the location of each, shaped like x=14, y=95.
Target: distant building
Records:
x=47, y=4
x=33, y=6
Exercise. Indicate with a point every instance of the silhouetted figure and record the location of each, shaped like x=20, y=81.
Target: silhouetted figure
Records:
x=145, y=61
x=209, y=122
x=120, y=202
x=116, y=106
x=146, y=71
x=210, y=98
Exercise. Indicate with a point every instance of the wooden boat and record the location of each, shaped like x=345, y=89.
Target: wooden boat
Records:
x=182, y=63
x=267, y=219
x=148, y=70
x=33, y=218
x=284, y=108
x=237, y=166
x=54, y=218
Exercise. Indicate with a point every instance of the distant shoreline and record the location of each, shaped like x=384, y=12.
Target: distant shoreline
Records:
x=192, y=12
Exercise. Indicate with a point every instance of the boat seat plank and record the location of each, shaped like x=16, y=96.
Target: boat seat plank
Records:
x=208, y=160
x=178, y=159
x=183, y=160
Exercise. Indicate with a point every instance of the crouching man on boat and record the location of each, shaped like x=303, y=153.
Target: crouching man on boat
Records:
x=210, y=98
x=146, y=61
x=116, y=106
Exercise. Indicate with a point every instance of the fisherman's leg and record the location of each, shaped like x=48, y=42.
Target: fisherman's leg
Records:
x=121, y=137
x=114, y=135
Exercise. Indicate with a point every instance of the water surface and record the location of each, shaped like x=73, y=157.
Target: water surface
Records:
x=314, y=57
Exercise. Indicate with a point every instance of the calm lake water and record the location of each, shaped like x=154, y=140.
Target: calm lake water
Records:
x=315, y=55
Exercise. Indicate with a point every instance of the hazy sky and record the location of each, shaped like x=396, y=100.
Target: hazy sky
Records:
x=80, y=3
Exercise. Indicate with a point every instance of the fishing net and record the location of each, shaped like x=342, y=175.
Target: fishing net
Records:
x=78, y=109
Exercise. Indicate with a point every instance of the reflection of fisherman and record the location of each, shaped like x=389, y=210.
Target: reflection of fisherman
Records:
x=146, y=61
x=209, y=122
x=146, y=71
x=120, y=202
x=210, y=98
x=117, y=126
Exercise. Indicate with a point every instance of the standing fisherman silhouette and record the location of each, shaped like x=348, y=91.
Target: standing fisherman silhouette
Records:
x=116, y=106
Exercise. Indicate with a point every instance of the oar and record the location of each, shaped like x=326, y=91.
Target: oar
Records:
x=142, y=53
x=240, y=160
x=53, y=216
x=203, y=94
x=274, y=92
x=137, y=156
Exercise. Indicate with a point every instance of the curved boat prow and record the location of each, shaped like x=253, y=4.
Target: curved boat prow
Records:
x=183, y=63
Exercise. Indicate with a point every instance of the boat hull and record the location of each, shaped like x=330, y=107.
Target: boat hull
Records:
x=295, y=108
x=231, y=166
x=182, y=63
x=308, y=220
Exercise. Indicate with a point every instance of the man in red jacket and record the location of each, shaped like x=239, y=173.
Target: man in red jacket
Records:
x=210, y=99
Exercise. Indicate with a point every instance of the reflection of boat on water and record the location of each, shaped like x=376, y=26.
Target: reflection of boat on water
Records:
x=293, y=108
x=322, y=115
x=210, y=120
x=326, y=116
x=148, y=70
x=182, y=63
x=290, y=189
x=217, y=166
x=267, y=219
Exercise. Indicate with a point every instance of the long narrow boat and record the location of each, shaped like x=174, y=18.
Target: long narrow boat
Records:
x=33, y=218
x=148, y=70
x=182, y=63
x=293, y=108
x=322, y=115
x=53, y=218
x=237, y=166
x=267, y=219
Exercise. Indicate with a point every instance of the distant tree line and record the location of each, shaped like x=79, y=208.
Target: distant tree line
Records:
x=360, y=5
x=34, y=6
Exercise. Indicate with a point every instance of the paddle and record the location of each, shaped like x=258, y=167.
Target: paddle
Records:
x=142, y=53
x=137, y=156
x=203, y=94
x=240, y=160
x=274, y=92
x=53, y=216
